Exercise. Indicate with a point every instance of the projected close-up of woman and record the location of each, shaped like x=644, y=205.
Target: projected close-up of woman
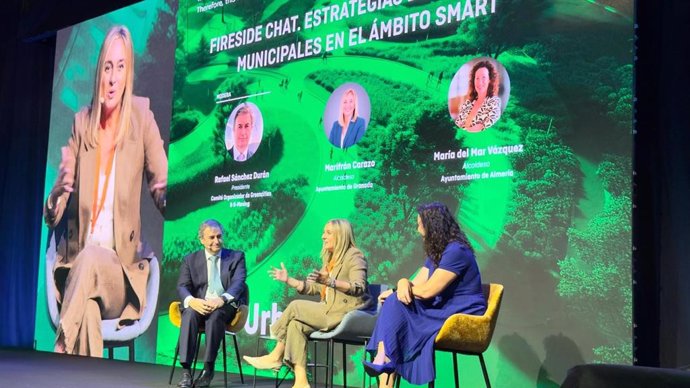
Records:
x=94, y=205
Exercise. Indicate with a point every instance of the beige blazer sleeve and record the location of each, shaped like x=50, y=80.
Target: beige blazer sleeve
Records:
x=311, y=288
x=155, y=160
x=54, y=207
x=352, y=269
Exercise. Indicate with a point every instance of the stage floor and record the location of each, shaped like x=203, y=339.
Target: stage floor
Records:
x=28, y=368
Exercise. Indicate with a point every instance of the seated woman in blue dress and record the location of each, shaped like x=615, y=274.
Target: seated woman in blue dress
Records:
x=349, y=128
x=448, y=283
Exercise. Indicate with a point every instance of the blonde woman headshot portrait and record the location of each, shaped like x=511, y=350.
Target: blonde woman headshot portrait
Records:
x=348, y=112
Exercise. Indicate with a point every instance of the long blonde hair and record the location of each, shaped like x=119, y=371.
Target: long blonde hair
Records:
x=115, y=32
x=344, y=240
x=341, y=116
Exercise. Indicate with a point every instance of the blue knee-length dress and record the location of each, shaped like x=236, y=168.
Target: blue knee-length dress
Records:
x=408, y=331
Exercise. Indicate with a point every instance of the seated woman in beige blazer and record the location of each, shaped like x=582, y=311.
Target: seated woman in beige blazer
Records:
x=342, y=284
x=114, y=143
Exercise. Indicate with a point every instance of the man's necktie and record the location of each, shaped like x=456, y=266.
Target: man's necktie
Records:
x=215, y=288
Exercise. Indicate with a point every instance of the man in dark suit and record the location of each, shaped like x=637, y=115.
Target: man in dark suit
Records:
x=211, y=287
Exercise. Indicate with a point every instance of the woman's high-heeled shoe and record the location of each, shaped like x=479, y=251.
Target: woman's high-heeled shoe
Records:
x=374, y=370
x=261, y=363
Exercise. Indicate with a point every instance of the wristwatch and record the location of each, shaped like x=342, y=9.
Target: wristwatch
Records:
x=225, y=299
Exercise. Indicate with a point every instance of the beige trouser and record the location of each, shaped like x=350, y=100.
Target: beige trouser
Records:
x=300, y=318
x=95, y=289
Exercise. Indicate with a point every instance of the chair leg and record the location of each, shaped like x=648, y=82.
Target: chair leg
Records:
x=331, y=363
x=279, y=380
x=131, y=351
x=455, y=370
x=364, y=374
x=225, y=365
x=172, y=367
x=486, y=374
x=257, y=352
x=344, y=367
x=316, y=358
x=196, y=356
x=432, y=383
x=237, y=354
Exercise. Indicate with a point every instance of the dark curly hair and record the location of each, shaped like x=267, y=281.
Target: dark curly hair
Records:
x=492, y=89
x=441, y=229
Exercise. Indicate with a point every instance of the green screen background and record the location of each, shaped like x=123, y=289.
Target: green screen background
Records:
x=556, y=234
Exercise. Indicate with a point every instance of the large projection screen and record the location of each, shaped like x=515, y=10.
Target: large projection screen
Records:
x=152, y=25
x=544, y=192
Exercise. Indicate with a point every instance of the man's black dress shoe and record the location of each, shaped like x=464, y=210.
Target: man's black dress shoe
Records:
x=204, y=379
x=185, y=381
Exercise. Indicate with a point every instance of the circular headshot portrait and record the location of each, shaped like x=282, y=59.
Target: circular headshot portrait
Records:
x=478, y=94
x=244, y=131
x=347, y=115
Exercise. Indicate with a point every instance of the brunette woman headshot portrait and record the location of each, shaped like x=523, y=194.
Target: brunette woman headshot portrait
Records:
x=478, y=94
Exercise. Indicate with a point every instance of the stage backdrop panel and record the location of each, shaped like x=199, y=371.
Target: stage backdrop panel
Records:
x=542, y=189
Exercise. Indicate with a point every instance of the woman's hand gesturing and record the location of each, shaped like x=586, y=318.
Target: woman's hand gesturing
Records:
x=280, y=274
x=65, y=173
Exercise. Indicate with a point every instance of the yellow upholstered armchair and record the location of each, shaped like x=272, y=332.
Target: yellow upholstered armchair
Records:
x=471, y=334
x=232, y=328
